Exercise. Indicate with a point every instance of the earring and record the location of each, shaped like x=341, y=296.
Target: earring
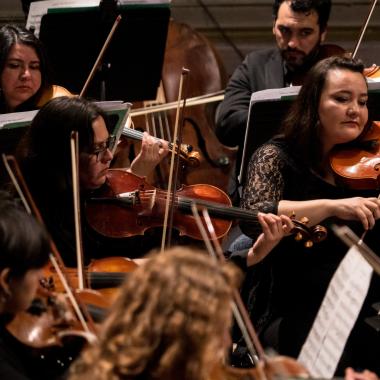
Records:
x=3, y=297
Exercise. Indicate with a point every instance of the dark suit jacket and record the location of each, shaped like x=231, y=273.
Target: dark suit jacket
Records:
x=260, y=70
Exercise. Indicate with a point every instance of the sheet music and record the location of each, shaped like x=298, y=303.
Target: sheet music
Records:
x=340, y=308
x=16, y=117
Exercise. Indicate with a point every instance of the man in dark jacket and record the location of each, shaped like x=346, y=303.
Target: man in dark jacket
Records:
x=299, y=28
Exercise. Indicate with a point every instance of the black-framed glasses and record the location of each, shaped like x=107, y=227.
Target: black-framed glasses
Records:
x=100, y=149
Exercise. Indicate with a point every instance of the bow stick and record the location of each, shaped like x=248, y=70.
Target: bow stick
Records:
x=238, y=308
x=100, y=56
x=177, y=136
x=77, y=218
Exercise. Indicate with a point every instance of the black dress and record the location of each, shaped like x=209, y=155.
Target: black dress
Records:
x=287, y=288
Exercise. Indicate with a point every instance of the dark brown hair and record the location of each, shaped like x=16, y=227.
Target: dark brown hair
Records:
x=301, y=125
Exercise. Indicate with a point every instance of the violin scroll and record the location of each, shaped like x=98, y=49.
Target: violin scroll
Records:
x=310, y=235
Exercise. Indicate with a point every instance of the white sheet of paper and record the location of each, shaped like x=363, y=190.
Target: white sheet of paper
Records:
x=16, y=117
x=340, y=308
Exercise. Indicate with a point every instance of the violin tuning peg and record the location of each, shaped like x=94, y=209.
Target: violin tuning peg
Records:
x=308, y=244
x=298, y=236
x=304, y=220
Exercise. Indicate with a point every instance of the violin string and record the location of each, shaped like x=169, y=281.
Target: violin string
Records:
x=186, y=203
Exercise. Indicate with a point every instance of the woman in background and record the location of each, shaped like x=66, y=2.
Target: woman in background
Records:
x=24, y=251
x=24, y=72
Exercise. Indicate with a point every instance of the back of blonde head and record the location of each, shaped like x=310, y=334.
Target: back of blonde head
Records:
x=169, y=322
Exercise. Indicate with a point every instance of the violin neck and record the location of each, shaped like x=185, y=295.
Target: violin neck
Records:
x=137, y=135
x=217, y=210
x=101, y=280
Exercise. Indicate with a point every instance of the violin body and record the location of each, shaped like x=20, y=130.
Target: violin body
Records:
x=53, y=91
x=50, y=334
x=359, y=167
x=372, y=71
x=105, y=275
x=143, y=207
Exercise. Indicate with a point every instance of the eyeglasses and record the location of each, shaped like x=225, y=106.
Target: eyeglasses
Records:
x=100, y=149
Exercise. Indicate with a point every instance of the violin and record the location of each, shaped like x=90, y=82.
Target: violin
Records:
x=49, y=325
x=372, y=72
x=51, y=92
x=51, y=332
x=104, y=275
x=127, y=206
x=357, y=165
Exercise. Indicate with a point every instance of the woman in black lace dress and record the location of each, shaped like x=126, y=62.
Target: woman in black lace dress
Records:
x=292, y=174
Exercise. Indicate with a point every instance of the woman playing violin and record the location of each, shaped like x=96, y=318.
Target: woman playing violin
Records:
x=171, y=321
x=23, y=69
x=24, y=250
x=291, y=174
x=46, y=163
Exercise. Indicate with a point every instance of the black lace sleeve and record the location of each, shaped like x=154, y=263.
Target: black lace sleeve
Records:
x=264, y=187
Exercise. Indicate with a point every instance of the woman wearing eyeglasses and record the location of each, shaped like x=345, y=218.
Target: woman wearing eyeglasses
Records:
x=45, y=158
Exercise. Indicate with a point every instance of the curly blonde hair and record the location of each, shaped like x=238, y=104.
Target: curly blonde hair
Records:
x=169, y=322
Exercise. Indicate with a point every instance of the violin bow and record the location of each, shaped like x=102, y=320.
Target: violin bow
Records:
x=194, y=101
x=240, y=313
x=74, y=140
x=100, y=56
x=54, y=256
x=364, y=28
x=174, y=165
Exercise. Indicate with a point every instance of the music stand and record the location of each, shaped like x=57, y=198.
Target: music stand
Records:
x=132, y=63
x=14, y=125
x=267, y=110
